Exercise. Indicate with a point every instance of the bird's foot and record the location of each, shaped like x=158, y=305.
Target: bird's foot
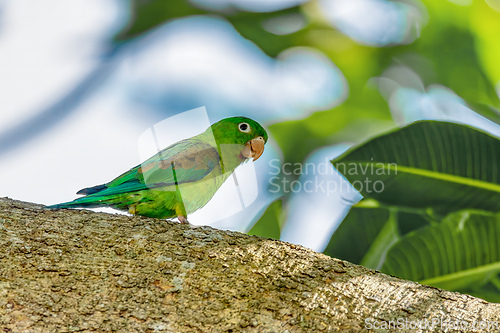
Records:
x=183, y=219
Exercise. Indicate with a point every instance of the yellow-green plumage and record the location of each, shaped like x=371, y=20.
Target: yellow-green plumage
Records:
x=183, y=177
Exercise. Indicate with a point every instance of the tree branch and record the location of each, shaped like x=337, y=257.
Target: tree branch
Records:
x=76, y=270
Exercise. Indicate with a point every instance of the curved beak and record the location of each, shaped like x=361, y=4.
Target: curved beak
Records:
x=254, y=148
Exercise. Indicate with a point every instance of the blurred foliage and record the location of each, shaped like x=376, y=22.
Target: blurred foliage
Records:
x=418, y=227
x=439, y=182
x=152, y=13
x=270, y=223
x=367, y=233
x=364, y=235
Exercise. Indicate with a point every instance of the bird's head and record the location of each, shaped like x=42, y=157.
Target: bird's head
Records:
x=241, y=131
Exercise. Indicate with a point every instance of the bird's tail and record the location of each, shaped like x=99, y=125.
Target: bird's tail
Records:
x=84, y=202
x=92, y=190
x=91, y=200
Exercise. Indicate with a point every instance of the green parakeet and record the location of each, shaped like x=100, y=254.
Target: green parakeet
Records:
x=183, y=177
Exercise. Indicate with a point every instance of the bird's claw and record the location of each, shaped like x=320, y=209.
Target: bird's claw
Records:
x=182, y=219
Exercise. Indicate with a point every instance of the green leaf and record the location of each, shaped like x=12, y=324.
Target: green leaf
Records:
x=368, y=232
x=364, y=230
x=485, y=294
x=388, y=235
x=269, y=225
x=426, y=165
x=488, y=291
x=408, y=222
x=462, y=251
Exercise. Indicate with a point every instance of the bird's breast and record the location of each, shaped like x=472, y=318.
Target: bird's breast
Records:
x=197, y=194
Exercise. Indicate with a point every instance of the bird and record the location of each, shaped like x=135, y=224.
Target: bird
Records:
x=182, y=177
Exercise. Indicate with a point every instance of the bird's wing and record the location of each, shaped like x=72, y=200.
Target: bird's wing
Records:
x=183, y=162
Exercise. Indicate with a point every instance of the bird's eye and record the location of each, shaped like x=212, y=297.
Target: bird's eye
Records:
x=244, y=127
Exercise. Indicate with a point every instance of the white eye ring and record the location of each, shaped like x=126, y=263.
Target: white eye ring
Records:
x=244, y=127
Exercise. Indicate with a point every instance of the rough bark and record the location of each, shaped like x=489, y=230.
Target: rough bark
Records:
x=76, y=270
